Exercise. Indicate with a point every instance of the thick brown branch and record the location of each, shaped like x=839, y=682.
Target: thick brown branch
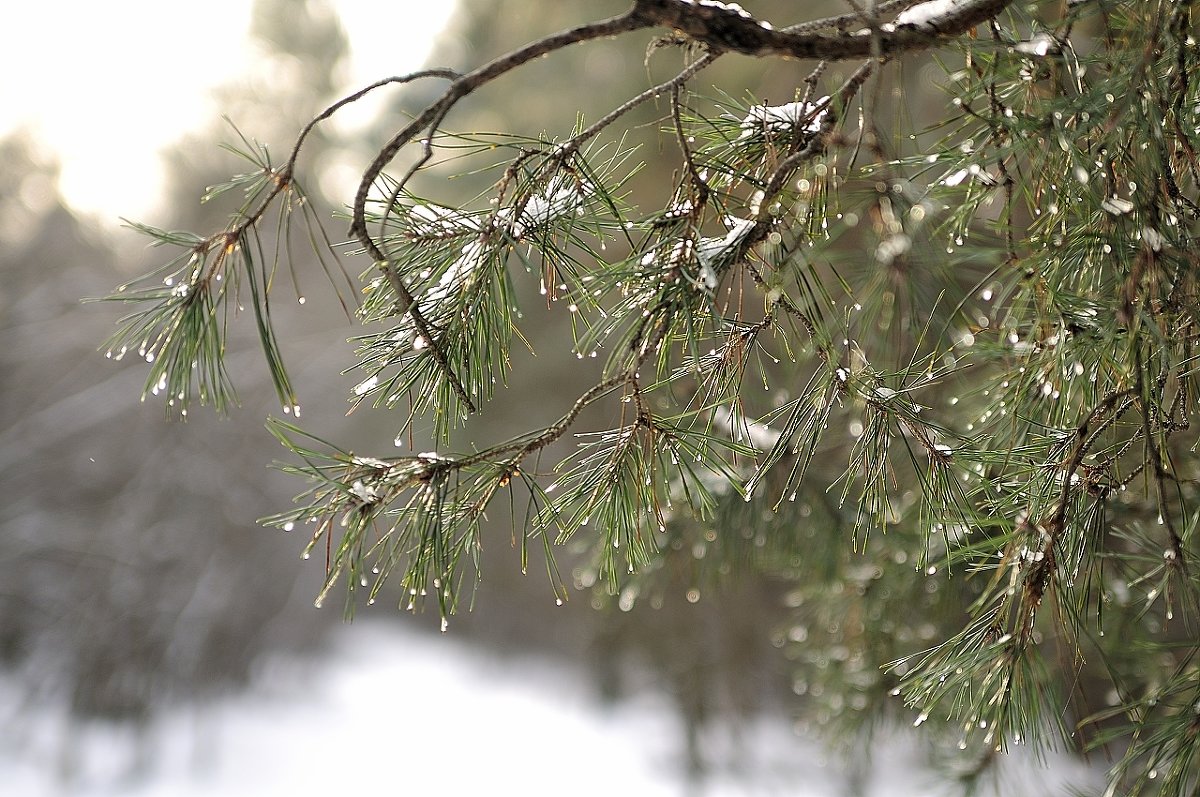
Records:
x=842, y=21
x=726, y=29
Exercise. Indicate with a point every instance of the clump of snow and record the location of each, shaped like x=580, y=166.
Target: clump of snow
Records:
x=783, y=118
x=713, y=249
x=679, y=209
x=367, y=493
x=435, y=220
x=455, y=279
x=366, y=386
x=926, y=15
x=1040, y=44
x=882, y=393
x=561, y=198
x=1117, y=206
x=732, y=7
x=1153, y=238
x=708, y=252
x=371, y=462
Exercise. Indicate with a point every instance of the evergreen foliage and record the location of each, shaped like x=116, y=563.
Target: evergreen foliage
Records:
x=988, y=325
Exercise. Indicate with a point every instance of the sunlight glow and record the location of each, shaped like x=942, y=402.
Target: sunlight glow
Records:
x=105, y=90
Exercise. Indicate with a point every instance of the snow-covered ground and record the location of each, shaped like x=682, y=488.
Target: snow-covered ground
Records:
x=394, y=711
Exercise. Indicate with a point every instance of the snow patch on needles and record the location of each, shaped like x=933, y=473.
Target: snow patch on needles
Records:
x=1153, y=239
x=367, y=493
x=455, y=278
x=561, y=198
x=366, y=386
x=775, y=119
x=434, y=220
x=709, y=253
x=712, y=250
x=1040, y=45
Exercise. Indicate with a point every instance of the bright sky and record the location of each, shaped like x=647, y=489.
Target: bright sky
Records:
x=105, y=86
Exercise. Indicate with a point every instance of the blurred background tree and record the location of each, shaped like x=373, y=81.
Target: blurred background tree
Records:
x=131, y=580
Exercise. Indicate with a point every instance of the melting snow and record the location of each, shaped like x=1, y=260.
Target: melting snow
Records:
x=782, y=118
x=926, y=15
x=1040, y=44
x=713, y=249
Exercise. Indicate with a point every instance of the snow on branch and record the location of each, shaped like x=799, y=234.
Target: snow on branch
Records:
x=783, y=118
x=726, y=27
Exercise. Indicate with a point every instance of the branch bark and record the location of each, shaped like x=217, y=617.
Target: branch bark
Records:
x=725, y=28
